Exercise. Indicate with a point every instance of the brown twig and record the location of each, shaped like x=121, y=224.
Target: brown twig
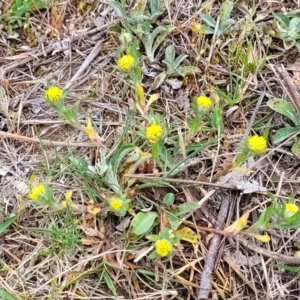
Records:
x=265, y=252
x=205, y=283
x=85, y=64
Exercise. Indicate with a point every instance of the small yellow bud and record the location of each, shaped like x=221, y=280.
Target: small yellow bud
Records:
x=126, y=62
x=290, y=209
x=54, y=94
x=116, y=204
x=204, y=102
x=36, y=192
x=163, y=247
x=154, y=133
x=257, y=143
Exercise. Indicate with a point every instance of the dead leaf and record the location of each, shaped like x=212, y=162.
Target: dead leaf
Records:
x=187, y=234
x=249, y=187
x=175, y=83
x=238, y=225
x=263, y=238
x=183, y=100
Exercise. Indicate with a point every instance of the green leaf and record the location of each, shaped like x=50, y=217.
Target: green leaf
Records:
x=6, y=296
x=217, y=121
x=283, y=19
x=166, y=156
x=7, y=223
x=296, y=148
x=173, y=219
x=169, y=55
x=208, y=20
x=188, y=70
x=149, y=40
x=284, y=133
x=285, y=108
x=179, y=60
x=153, y=255
x=169, y=199
x=207, y=30
x=187, y=207
x=143, y=222
x=224, y=25
x=229, y=100
x=288, y=268
x=119, y=155
x=292, y=222
x=225, y=10
x=264, y=219
x=154, y=6
x=109, y=283
x=294, y=27
x=118, y=8
x=162, y=36
x=153, y=237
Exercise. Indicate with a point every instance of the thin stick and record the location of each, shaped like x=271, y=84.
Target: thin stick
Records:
x=85, y=64
x=206, y=276
x=253, y=117
x=265, y=252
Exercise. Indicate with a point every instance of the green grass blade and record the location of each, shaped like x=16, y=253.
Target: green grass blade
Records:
x=7, y=223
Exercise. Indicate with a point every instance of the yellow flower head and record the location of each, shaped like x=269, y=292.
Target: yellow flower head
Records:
x=89, y=130
x=163, y=247
x=54, y=94
x=154, y=133
x=36, y=192
x=204, y=102
x=257, y=143
x=197, y=28
x=126, y=62
x=290, y=209
x=116, y=204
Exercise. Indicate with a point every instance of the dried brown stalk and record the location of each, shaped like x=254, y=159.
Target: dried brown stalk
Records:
x=206, y=276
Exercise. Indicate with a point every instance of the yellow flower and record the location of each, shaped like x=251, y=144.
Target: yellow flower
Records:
x=116, y=204
x=257, y=143
x=204, y=101
x=68, y=195
x=89, y=130
x=36, y=192
x=126, y=62
x=54, y=93
x=154, y=133
x=290, y=209
x=163, y=247
x=197, y=29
